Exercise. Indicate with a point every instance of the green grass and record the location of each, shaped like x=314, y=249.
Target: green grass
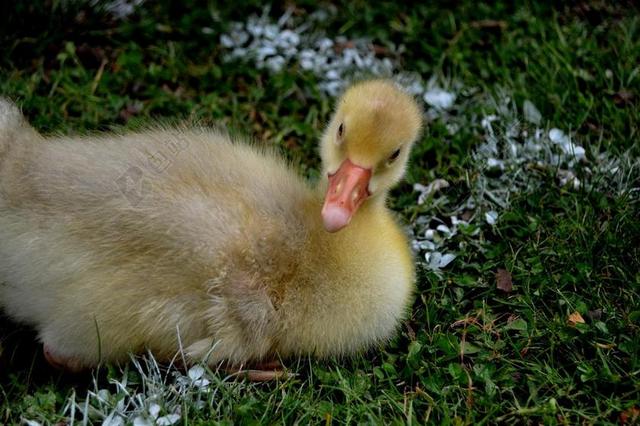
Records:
x=568, y=251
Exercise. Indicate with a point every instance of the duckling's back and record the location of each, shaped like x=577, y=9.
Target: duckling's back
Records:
x=104, y=234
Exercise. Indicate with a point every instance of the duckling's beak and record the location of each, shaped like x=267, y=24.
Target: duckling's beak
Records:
x=348, y=188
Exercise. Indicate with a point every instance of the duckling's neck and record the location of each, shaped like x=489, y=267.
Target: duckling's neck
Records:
x=371, y=229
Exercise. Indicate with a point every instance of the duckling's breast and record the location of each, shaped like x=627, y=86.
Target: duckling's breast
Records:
x=355, y=297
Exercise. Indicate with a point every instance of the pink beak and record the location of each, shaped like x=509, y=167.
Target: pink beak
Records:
x=348, y=188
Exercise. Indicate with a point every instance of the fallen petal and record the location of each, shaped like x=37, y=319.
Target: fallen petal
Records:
x=168, y=420
x=439, y=98
x=446, y=259
x=196, y=372
x=531, y=113
x=154, y=410
x=491, y=217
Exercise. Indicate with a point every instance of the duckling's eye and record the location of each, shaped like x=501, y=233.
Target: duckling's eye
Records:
x=394, y=156
x=340, y=130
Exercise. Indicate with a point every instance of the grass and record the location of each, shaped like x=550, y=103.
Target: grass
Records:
x=469, y=353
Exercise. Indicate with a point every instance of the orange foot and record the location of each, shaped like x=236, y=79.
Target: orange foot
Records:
x=261, y=372
x=68, y=364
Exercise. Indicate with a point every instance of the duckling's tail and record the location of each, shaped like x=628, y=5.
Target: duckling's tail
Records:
x=14, y=130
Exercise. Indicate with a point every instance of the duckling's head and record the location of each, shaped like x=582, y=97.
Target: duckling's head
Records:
x=365, y=147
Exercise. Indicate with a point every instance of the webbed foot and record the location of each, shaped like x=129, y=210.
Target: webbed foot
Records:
x=261, y=372
x=60, y=362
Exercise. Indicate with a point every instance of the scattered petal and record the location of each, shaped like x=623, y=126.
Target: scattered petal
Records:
x=430, y=189
x=433, y=259
x=531, y=113
x=113, y=419
x=446, y=259
x=201, y=383
x=196, y=372
x=437, y=260
x=491, y=217
x=557, y=136
x=141, y=421
x=445, y=230
x=439, y=98
x=168, y=420
x=486, y=121
x=154, y=410
x=426, y=245
x=495, y=164
x=567, y=177
x=275, y=45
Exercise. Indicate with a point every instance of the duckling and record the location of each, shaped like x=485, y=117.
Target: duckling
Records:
x=184, y=241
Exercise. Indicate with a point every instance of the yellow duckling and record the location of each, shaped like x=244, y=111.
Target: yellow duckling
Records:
x=181, y=240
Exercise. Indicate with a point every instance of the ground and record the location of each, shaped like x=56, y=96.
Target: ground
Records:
x=527, y=307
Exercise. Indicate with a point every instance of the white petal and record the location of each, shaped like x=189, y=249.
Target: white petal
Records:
x=579, y=152
x=419, y=187
x=168, y=420
x=271, y=31
x=113, y=419
x=439, y=98
x=486, y=121
x=325, y=43
x=306, y=64
x=154, y=410
x=446, y=259
x=491, y=217
x=196, y=372
x=333, y=75
x=494, y=163
x=103, y=395
x=201, y=383
x=434, y=260
x=444, y=229
x=426, y=245
x=557, y=136
x=531, y=113
x=226, y=41
x=141, y=421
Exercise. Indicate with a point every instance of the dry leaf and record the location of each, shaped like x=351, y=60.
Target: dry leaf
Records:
x=503, y=280
x=575, y=318
x=623, y=97
x=630, y=416
x=410, y=332
x=489, y=24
